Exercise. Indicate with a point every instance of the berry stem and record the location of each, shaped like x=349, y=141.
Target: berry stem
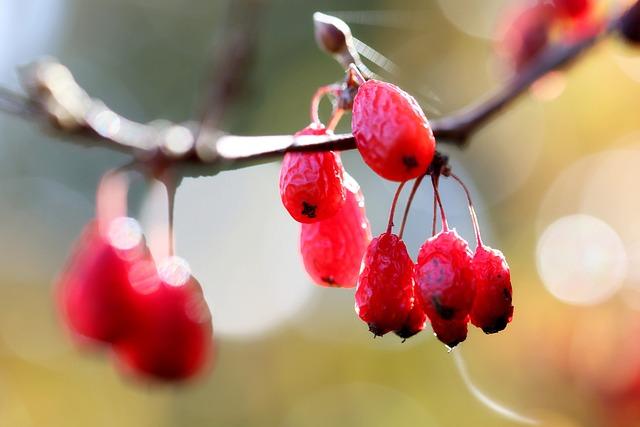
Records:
x=472, y=211
x=317, y=97
x=111, y=196
x=355, y=75
x=393, y=206
x=112, y=193
x=171, y=187
x=443, y=216
x=335, y=119
x=414, y=189
x=435, y=215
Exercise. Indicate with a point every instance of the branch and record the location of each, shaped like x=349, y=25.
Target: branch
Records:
x=459, y=126
x=54, y=98
x=231, y=68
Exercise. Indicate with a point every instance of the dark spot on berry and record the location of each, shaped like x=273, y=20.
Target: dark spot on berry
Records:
x=409, y=162
x=405, y=333
x=506, y=293
x=375, y=330
x=446, y=313
x=497, y=325
x=436, y=276
x=308, y=210
x=329, y=280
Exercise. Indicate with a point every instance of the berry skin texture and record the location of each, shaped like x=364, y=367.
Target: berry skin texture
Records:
x=492, y=308
x=392, y=133
x=384, y=294
x=170, y=337
x=332, y=249
x=94, y=292
x=415, y=322
x=444, y=278
x=311, y=184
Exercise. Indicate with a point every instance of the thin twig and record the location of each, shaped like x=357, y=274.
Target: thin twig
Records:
x=233, y=60
x=216, y=151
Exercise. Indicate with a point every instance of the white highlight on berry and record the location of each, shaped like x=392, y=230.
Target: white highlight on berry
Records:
x=496, y=407
x=124, y=233
x=174, y=271
x=581, y=260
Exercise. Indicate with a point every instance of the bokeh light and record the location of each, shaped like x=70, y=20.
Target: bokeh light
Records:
x=268, y=286
x=34, y=28
x=581, y=260
x=476, y=18
x=554, y=179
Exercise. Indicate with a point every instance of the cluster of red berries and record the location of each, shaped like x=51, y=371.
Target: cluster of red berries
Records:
x=448, y=285
x=531, y=25
x=335, y=231
x=153, y=315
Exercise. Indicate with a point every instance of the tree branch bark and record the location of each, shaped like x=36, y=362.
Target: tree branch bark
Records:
x=213, y=151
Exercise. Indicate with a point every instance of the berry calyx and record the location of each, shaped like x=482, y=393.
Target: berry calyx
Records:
x=384, y=294
x=492, y=307
x=311, y=184
x=332, y=249
x=94, y=290
x=391, y=131
x=170, y=336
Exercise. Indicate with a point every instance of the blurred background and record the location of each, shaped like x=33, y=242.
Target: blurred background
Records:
x=555, y=180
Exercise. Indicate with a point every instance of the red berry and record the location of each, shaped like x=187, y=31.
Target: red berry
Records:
x=492, y=308
x=384, y=295
x=391, y=131
x=311, y=185
x=414, y=323
x=450, y=332
x=332, y=249
x=525, y=33
x=571, y=9
x=94, y=291
x=170, y=337
x=444, y=278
